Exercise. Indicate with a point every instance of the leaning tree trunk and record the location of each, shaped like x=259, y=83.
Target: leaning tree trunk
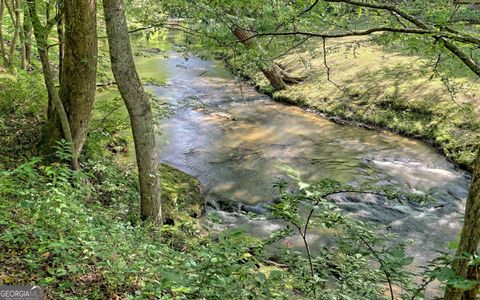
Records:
x=41, y=37
x=138, y=107
x=469, y=240
x=79, y=67
x=272, y=73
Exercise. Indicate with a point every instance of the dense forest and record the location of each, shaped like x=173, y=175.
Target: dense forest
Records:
x=240, y=149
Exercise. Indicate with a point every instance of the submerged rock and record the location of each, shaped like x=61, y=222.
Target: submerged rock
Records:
x=231, y=206
x=222, y=115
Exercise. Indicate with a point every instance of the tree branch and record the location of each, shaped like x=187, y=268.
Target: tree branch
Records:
x=467, y=60
x=429, y=31
x=343, y=34
x=324, y=46
x=54, y=20
x=388, y=7
x=444, y=37
x=10, y=10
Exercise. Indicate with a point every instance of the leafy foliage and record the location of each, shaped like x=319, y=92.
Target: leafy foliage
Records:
x=58, y=237
x=78, y=234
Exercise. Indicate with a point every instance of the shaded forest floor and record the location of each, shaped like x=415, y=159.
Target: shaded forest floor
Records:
x=387, y=89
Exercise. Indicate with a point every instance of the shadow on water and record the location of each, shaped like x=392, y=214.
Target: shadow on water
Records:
x=236, y=141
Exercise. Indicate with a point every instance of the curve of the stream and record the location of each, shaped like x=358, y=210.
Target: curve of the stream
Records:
x=238, y=141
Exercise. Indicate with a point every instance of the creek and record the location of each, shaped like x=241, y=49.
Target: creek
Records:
x=238, y=141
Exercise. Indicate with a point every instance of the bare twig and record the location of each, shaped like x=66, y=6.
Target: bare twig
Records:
x=382, y=264
x=326, y=65
x=104, y=119
x=444, y=80
x=422, y=287
x=295, y=46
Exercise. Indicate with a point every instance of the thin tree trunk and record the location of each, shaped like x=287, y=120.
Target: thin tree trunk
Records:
x=17, y=25
x=14, y=12
x=79, y=67
x=469, y=240
x=3, y=51
x=41, y=37
x=138, y=107
x=272, y=73
x=61, y=45
x=23, y=59
x=27, y=35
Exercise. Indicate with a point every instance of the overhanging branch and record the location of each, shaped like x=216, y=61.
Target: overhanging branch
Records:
x=445, y=38
x=431, y=32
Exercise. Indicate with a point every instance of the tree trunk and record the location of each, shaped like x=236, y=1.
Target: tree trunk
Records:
x=79, y=67
x=17, y=26
x=23, y=59
x=469, y=240
x=27, y=36
x=272, y=73
x=61, y=45
x=3, y=51
x=14, y=11
x=41, y=37
x=138, y=107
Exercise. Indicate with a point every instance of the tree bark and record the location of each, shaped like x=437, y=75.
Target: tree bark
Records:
x=23, y=59
x=79, y=67
x=469, y=240
x=272, y=73
x=138, y=107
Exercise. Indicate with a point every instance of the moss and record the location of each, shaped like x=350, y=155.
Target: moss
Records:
x=181, y=194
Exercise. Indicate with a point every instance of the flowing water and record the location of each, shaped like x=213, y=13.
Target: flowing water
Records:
x=238, y=142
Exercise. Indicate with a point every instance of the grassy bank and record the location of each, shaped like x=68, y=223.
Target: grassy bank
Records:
x=388, y=89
